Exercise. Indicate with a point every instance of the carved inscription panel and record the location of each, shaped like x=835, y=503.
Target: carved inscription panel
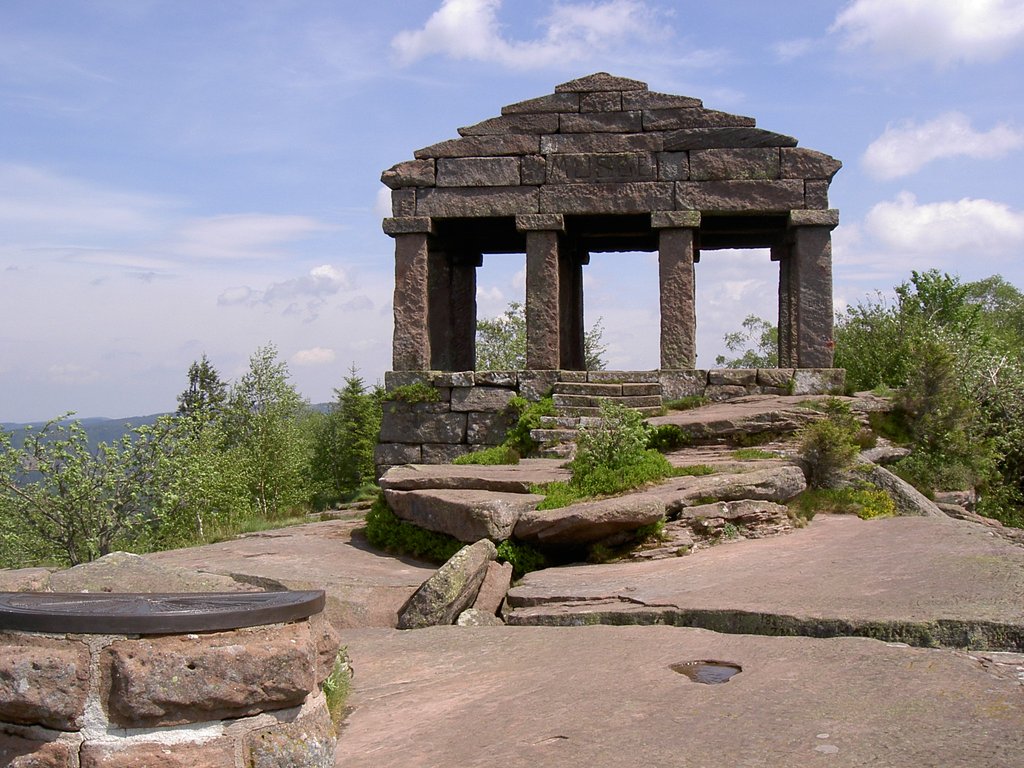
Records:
x=618, y=166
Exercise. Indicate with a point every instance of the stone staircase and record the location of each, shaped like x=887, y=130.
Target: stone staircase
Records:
x=578, y=404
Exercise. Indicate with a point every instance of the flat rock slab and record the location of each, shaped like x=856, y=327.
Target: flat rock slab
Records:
x=838, y=574
x=468, y=515
x=365, y=588
x=744, y=415
x=607, y=696
x=589, y=521
x=508, y=478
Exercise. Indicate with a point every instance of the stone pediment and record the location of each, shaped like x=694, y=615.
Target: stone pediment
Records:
x=602, y=144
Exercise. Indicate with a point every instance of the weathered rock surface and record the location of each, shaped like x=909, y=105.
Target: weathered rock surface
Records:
x=750, y=415
x=495, y=586
x=777, y=483
x=468, y=515
x=607, y=696
x=450, y=590
x=308, y=741
x=213, y=754
x=125, y=572
x=909, y=500
x=22, y=748
x=922, y=580
x=589, y=521
x=764, y=516
x=474, y=617
x=43, y=680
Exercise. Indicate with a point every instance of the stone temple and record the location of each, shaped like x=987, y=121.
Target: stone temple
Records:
x=601, y=165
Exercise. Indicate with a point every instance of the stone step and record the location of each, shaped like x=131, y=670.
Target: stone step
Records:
x=591, y=401
x=553, y=435
x=583, y=388
x=568, y=422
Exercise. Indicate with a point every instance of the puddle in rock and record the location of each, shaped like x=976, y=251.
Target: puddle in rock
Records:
x=706, y=671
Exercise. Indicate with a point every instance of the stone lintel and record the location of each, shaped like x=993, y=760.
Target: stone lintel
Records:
x=675, y=219
x=532, y=222
x=815, y=218
x=725, y=138
x=554, y=102
x=600, y=81
x=408, y=225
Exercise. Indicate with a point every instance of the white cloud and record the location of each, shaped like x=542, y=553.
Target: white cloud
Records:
x=938, y=31
x=974, y=226
x=788, y=50
x=243, y=236
x=907, y=146
x=469, y=29
x=382, y=203
x=303, y=296
x=313, y=356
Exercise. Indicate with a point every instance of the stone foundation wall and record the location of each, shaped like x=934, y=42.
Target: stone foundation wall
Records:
x=472, y=408
x=246, y=698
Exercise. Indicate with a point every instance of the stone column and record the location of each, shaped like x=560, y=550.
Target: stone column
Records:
x=570, y=285
x=676, y=255
x=463, y=310
x=811, y=255
x=787, y=317
x=543, y=336
x=411, y=345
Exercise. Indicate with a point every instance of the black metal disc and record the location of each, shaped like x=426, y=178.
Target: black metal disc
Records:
x=152, y=613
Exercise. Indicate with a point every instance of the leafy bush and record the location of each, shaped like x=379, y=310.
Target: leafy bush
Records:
x=518, y=437
x=666, y=438
x=687, y=403
x=617, y=441
x=522, y=557
x=827, y=447
x=866, y=503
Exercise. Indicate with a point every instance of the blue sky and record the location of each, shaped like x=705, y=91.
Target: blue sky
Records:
x=189, y=176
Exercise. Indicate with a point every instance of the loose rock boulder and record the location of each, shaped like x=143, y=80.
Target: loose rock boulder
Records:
x=589, y=521
x=451, y=590
x=761, y=517
x=467, y=515
x=778, y=484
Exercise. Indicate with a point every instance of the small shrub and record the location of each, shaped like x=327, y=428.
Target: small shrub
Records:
x=522, y=557
x=496, y=454
x=652, y=532
x=829, y=446
x=667, y=437
x=746, y=454
x=730, y=531
x=892, y=425
x=385, y=531
x=692, y=470
x=337, y=686
x=530, y=413
x=866, y=503
x=420, y=392
x=687, y=403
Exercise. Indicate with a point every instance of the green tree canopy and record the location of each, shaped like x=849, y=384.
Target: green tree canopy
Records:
x=501, y=342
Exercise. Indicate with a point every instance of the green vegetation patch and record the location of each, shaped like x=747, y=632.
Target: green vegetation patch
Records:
x=687, y=403
x=667, y=437
x=386, y=531
x=866, y=503
x=337, y=686
x=746, y=454
x=420, y=392
x=496, y=454
x=521, y=556
x=693, y=470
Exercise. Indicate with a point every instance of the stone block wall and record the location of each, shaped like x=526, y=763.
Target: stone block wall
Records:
x=472, y=410
x=246, y=698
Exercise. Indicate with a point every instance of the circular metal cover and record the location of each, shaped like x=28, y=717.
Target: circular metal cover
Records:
x=152, y=613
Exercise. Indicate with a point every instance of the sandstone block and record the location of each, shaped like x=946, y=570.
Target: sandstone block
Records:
x=685, y=383
x=533, y=170
x=631, y=389
x=25, y=580
x=575, y=377
x=495, y=586
x=718, y=392
x=398, y=427
x=675, y=219
x=397, y=453
x=672, y=119
x=828, y=218
x=737, y=376
x=452, y=589
x=673, y=166
x=601, y=142
x=484, y=399
x=601, y=101
x=177, y=679
x=464, y=514
x=724, y=164
x=309, y=741
x=739, y=195
x=617, y=166
x=556, y=102
x=514, y=123
x=479, y=201
x=212, y=754
x=600, y=122
x=453, y=379
x=411, y=173
x=540, y=222
x=612, y=377
x=497, y=378
x=628, y=197
x=471, y=617
x=591, y=521
x=408, y=225
x=600, y=81
x=501, y=478
x=800, y=163
x=725, y=138
x=778, y=484
x=43, y=681
x=478, y=172
x=775, y=377
x=23, y=749
x=488, y=428
x=816, y=194
x=483, y=146
x=819, y=381
x=443, y=453
x=326, y=643
x=655, y=100
x=533, y=385
x=403, y=203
